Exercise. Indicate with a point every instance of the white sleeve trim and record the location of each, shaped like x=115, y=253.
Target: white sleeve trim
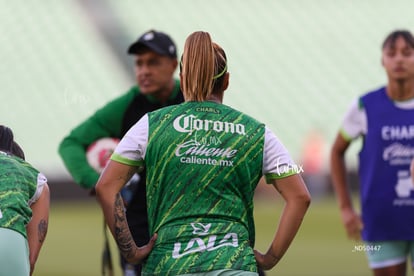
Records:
x=354, y=123
x=276, y=158
x=133, y=145
x=41, y=181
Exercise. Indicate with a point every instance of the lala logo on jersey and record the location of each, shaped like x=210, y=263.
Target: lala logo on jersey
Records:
x=198, y=245
x=200, y=229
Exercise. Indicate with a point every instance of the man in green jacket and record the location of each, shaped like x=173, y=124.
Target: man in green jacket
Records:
x=155, y=63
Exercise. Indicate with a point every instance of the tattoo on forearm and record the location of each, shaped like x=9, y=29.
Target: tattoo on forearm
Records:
x=123, y=236
x=128, y=175
x=42, y=230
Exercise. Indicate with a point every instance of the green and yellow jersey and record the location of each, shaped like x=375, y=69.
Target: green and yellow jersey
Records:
x=20, y=186
x=203, y=161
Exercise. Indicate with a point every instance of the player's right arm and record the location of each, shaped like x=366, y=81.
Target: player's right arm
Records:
x=354, y=125
x=112, y=180
x=127, y=159
x=350, y=218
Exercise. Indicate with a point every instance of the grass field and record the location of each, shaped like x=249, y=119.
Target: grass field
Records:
x=75, y=240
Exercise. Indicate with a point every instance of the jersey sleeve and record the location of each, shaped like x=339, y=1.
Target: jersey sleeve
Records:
x=41, y=182
x=131, y=149
x=105, y=122
x=277, y=162
x=354, y=123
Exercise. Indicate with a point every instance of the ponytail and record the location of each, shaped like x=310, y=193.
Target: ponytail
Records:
x=203, y=65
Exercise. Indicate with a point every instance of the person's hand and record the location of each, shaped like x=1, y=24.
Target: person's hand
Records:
x=32, y=267
x=353, y=224
x=142, y=252
x=265, y=261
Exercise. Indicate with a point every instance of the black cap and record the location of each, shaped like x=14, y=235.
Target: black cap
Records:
x=158, y=42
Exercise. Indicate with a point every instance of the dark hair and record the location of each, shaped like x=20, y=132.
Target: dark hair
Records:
x=8, y=144
x=6, y=139
x=392, y=38
x=17, y=151
x=203, y=65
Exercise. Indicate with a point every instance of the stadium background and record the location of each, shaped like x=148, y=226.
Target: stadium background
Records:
x=295, y=65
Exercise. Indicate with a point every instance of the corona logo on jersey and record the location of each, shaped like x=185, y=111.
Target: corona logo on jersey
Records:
x=205, y=150
x=190, y=123
x=199, y=245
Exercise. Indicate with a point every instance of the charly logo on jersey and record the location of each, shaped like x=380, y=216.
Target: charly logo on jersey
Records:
x=210, y=242
x=190, y=123
x=397, y=132
x=399, y=152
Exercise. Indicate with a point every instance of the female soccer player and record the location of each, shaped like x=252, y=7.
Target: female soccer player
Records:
x=203, y=160
x=385, y=119
x=24, y=209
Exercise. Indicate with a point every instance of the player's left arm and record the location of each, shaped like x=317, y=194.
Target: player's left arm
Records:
x=38, y=225
x=110, y=183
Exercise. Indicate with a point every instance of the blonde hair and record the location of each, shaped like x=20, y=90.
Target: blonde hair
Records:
x=203, y=65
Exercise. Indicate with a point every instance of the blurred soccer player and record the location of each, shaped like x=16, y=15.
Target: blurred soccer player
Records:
x=385, y=120
x=24, y=209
